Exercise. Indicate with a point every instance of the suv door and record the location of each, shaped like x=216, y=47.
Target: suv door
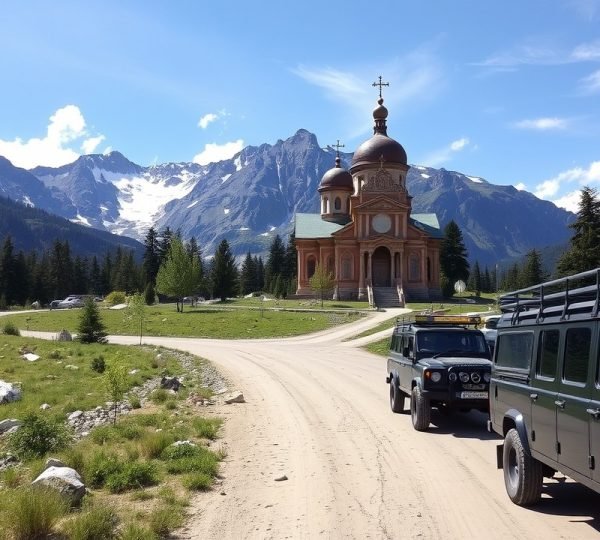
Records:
x=544, y=394
x=574, y=399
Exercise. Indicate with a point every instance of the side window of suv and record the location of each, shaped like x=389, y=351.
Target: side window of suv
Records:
x=548, y=354
x=514, y=350
x=577, y=354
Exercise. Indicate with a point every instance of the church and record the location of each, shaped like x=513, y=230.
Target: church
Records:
x=366, y=235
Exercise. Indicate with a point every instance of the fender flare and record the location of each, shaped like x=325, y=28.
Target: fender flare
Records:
x=519, y=422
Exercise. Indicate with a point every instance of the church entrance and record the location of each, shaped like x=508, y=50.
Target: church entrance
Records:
x=381, y=262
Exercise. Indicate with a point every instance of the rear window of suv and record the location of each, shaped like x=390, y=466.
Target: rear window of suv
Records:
x=513, y=350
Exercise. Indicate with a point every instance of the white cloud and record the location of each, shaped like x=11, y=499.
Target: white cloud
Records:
x=107, y=150
x=207, y=119
x=586, y=8
x=89, y=145
x=591, y=83
x=521, y=186
x=337, y=84
x=549, y=189
x=445, y=154
x=569, y=202
x=67, y=126
x=587, y=52
x=542, y=124
x=214, y=152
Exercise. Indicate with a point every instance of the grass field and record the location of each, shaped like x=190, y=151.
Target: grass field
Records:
x=140, y=485
x=221, y=321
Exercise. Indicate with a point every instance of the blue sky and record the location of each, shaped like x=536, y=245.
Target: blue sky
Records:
x=508, y=91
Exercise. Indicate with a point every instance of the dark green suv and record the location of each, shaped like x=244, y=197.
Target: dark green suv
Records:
x=545, y=388
x=438, y=361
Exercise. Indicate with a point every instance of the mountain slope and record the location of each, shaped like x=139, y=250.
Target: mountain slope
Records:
x=255, y=195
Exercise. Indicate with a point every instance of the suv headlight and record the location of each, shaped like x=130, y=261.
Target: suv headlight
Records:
x=464, y=377
x=452, y=377
x=475, y=377
x=436, y=377
x=487, y=377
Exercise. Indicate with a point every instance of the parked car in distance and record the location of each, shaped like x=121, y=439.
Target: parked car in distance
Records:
x=71, y=302
x=489, y=329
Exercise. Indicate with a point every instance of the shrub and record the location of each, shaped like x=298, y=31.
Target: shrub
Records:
x=133, y=531
x=11, y=477
x=100, y=467
x=153, y=444
x=149, y=294
x=103, y=434
x=31, y=512
x=37, y=436
x=129, y=431
x=55, y=355
x=197, y=482
x=181, y=451
x=98, y=364
x=160, y=395
x=91, y=329
x=166, y=518
x=205, y=462
x=207, y=428
x=10, y=329
x=116, y=297
x=94, y=523
x=135, y=402
x=171, y=405
x=132, y=475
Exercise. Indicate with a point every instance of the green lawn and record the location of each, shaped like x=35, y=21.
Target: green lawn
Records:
x=212, y=321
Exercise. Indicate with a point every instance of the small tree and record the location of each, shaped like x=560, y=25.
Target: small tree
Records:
x=149, y=294
x=115, y=381
x=178, y=275
x=321, y=282
x=91, y=329
x=137, y=310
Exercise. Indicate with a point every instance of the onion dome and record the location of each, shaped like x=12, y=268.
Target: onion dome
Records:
x=337, y=178
x=379, y=148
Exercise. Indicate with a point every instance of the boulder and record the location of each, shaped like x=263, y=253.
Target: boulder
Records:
x=9, y=392
x=64, y=335
x=7, y=424
x=170, y=383
x=31, y=357
x=63, y=479
x=234, y=397
x=74, y=415
x=54, y=462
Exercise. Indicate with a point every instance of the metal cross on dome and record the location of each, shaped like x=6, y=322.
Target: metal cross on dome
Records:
x=337, y=147
x=381, y=85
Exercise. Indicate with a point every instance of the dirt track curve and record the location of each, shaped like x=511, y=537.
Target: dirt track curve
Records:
x=317, y=411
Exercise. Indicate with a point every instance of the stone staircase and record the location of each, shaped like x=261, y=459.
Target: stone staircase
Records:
x=386, y=297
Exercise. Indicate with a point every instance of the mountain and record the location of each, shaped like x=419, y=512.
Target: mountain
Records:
x=35, y=229
x=255, y=195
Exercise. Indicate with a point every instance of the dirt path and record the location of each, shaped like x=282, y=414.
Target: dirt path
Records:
x=317, y=412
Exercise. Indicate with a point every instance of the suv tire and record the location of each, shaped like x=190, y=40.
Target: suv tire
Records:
x=397, y=397
x=420, y=410
x=522, y=473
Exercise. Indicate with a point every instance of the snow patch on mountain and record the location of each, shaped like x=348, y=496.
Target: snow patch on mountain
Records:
x=27, y=201
x=226, y=211
x=191, y=205
x=425, y=175
x=81, y=220
x=238, y=163
x=475, y=179
x=225, y=178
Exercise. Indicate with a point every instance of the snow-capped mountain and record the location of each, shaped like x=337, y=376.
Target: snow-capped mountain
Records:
x=255, y=195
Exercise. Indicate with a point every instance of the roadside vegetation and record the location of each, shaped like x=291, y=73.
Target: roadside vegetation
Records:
x=140, y=483
x=221, y=321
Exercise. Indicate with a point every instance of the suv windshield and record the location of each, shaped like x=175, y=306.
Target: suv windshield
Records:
x=451, y=343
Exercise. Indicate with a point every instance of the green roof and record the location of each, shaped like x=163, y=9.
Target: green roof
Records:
x=312, y=226
x=428, y=223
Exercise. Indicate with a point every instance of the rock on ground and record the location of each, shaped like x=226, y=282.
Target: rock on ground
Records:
x=63, y=479
x=9, y=392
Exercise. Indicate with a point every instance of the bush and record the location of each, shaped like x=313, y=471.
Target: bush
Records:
x=206, y=462
x=132, y=475
x=55, y=355
x=11, y=478
x=207, y=428
x=37, y=436
x=165, y=519
x=160, y=395
x=98, y=364
x=149, y=294
x=133, y=531
x=100, y=467
x=135, y=402
x=31, y=512
x=116, y=297
x=94, y=523
x=182, y=451
x=10, y=329
x=153, y=444
x=197, y=482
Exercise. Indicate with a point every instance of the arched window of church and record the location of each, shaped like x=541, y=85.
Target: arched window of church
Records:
x=325, y=205
x=330, y=265
x=414, y=267
x=311, y=264
x=337, y=204
x=347, y=267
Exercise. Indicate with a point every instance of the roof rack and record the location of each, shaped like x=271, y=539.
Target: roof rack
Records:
x=445, y=320
x=577, y=294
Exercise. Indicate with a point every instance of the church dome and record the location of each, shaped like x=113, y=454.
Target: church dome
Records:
x=379, y=147
x=336, y=178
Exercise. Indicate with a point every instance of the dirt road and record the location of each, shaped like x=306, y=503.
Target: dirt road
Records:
x=317, y=412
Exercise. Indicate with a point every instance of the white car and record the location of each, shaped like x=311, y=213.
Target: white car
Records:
x=70, y=302
x=489, y=329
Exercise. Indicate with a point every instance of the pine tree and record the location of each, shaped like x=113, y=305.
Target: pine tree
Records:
x=164, y=244
x=178, y=274
x=149, y=294
x=532, y=272
x=475, y=279
x=223, y=272
x=290, y=268
x=275, y=263
x=8, y=272
x=248, y=275
x=453, y=255
x=91, y=329
x=151, y=261
x=260, y=274
x=584, y=253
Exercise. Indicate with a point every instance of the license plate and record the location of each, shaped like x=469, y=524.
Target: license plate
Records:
x=474, y=395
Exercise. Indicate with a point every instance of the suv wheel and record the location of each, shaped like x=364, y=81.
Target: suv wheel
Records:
x=522, y=473
x=396, y=397
x=420, y=410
